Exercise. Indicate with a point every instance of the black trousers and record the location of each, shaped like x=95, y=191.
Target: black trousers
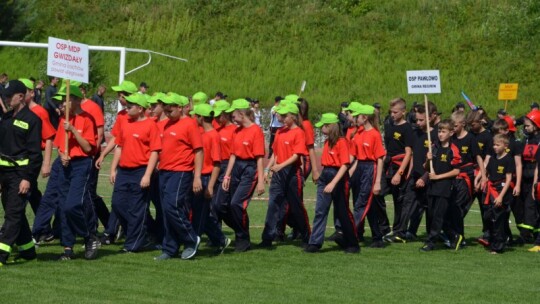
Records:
x=437, y=207
x=15, y=228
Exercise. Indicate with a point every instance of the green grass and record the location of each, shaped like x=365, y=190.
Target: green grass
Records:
x=397, y=274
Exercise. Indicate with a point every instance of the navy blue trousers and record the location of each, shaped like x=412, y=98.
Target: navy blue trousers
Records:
x=202, y=218
x=176, y=196
x=48, y=205
x=129, y=202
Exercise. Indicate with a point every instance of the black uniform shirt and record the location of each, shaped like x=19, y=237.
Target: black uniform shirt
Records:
x=468, y=150
x=497, y=168
x=20, y=139
x=485, y=142
x=445, y=159
x=396, y=138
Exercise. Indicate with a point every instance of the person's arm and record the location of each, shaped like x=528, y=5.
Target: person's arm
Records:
x=450, y=174
x=260, y=177
x=313, y=159
x=271, y=162
x=100, y=132
x=519, y=172
x=4, y=109
x=535, y=180
x=378, y=176
x=114, y=164
x=396, y=179
x=213, y=178
x=85, y=145
x=277, y=167
x=227, y=177
x=197, y=183
x=152, y=162
x=46, y=166
x=330, y=187
x=110, y=146
x=499, y=199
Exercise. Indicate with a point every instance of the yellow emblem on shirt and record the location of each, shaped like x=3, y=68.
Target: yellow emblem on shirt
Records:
x=443, y=158
x=481, y=145
x=397, y=135
x=426, y=143
x=500, y=169
x=507, y=150
x=464, y=149
x=21, y=124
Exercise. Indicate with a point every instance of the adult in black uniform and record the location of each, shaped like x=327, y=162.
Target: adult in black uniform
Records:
x=20, y=162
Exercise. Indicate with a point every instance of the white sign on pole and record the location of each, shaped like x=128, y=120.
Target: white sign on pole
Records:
x=424, y=82
x=67, y=59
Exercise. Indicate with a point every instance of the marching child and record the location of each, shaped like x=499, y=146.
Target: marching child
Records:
x=369, y=154
x=244, y=171
x=287, y=178
x=332, y=186
x=180, y=168
x=77, y=213
x=136, y=155
x=202, y=219
x=498, y=195
x=446, y=160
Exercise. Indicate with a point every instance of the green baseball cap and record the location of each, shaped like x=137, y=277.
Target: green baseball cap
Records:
x=27, y=83
x=292, y=97
x=238, y=104
x=287, y=108
x=202, y=109
x=199, y=98
x=175, y=99
x=126, y=86
x=158, y=96
x=138, y=99
x=364, y=110
x=220, y=106
x=73, y=90
x=327, y=118
x=353, y=107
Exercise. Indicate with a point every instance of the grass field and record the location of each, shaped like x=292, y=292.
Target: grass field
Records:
x=397, y=274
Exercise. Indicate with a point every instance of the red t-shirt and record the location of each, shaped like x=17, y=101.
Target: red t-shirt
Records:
x=120, y=118
x=248, y=143
x=310, y=133
x=47, y=129
x=161, y=125
x=288, y=142
x=369, y=145
x=211, y=150
x=226, y=140
x=337, y=156
x=180, y=139
x=138, y=140
x=215, y=124
x=92, y=108
x=84, y=123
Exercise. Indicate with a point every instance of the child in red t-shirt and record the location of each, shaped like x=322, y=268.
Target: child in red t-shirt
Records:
x=244, y=171
x=136, y=155
x=287, y=177
x=333, y=187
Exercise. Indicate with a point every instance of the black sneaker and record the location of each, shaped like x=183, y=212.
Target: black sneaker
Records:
x=295, y=234
x=91, y=247
x=67, y=255
x=352, y=249
x=242, y=245
x=427, y=248
x=224, y=246
x=106, y=239
x=26, y=255
x=377, y=244
x=45, y=238
x=265, y=244
x=332, y=237
x=312, y=248
x=340, y=239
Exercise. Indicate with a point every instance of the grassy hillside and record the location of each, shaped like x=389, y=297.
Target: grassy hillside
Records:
x=344, y=49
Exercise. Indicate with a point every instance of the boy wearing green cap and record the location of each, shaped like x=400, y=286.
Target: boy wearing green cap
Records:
x=135, y=157
x=203, y=220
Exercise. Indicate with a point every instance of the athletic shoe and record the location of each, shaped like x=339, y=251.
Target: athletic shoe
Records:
x=483, y=241
x=332, y=237
x=124, y=250
x=106, y=239
x=377, y=244
x=66, y=255
x=427, y=247
x=295, y=234
x=242, y=246
x=352, y=249
x=265, y=244
x=190, y=252
x=409, y=236
x=395, y=239
x=119, y=234
x=312, y=248
x=45, y=238
x=26, y=255
x=457, y=242
x=92, y=245
x=340, y=239
x=534, y=249
x=162, y=257
x=224, y=246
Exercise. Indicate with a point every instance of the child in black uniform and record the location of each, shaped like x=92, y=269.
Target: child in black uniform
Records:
x=446, y=161
x=498, y=197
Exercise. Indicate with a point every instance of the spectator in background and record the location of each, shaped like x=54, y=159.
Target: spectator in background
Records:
x=501, y=114
x=459, y=107
x=256, y=111
x=143, y=87
x=343, y=120
x=99, y=97
x=377, y=113
x=275, y=124
x=411, y=116
x=519, y=121
x=218, y=96
x=38, y=87
x=3, y=81
x=50, y=104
